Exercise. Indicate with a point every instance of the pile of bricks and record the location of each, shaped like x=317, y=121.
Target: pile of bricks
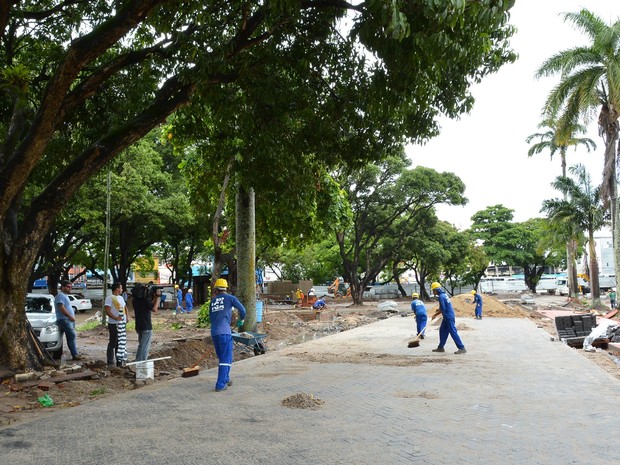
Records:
x=573, y=329
x=574, y=325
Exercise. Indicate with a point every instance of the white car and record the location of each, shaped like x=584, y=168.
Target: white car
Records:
x=42, y=317
x=79, y=303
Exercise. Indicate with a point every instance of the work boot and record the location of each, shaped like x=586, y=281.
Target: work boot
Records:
x=461, y=351
x=439, y=349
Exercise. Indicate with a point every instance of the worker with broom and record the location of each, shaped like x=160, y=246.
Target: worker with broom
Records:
x=220, y=314
x=419, y=310
x=448, y=323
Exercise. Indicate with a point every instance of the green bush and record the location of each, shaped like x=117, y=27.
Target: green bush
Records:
x=203, y=320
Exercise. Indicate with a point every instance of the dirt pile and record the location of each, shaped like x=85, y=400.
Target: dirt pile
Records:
x=303, y=401
x=463, y=305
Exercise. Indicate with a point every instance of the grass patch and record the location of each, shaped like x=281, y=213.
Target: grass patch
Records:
x=87, y=326
x=97, y=392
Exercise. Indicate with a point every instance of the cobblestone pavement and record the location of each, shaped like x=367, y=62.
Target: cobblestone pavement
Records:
x=516, y=397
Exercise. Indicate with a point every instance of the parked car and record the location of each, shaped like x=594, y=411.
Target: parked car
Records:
x=79, y=303
x=42, y=317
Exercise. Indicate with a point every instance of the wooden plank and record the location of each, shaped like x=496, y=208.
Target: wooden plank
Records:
x=58, y=379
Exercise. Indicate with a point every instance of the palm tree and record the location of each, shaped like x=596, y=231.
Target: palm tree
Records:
x=583, y=210
x=554, y=140
x=590, y=80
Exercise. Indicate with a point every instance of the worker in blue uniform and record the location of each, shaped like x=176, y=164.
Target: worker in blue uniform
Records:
x=448, y=323
x=478, y=304
x=419, y=310
x=220, y=314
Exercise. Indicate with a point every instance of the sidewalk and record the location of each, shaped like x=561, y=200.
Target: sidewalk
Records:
x=516, y=397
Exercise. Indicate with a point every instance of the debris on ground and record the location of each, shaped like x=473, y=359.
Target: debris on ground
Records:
x=303, y=400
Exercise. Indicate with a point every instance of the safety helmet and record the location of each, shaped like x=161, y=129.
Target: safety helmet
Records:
x=435, y=285
x=189, y=290
x=473, y=292
x=176, y=286
x=415, y=295
x=221, y=283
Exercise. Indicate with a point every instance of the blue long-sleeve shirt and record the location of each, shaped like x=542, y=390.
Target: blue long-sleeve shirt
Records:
x=418, y=307
x=220, y=313
x=445, y=305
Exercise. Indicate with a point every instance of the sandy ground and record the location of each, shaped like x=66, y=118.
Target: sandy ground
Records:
x=185, y=344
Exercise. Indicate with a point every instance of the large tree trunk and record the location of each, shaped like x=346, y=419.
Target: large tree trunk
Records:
x=246, y=254
x=17, y=351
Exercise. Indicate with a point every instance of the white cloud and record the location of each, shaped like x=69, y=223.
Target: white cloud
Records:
x=487, y=148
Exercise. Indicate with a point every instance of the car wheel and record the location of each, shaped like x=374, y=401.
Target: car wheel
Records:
x=58, y=354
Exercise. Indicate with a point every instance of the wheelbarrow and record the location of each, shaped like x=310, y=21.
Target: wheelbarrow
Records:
x=252, y=340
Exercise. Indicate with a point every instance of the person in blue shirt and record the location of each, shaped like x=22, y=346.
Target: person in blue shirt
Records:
x=179, y=292
x=419, y=309
x=189, y=301
x=448, y=323
x=220, y=315
x=319, y=304
x=65, y=318
x=478, y=304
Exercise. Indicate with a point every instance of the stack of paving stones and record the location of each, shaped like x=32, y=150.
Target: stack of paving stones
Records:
x=573, y=329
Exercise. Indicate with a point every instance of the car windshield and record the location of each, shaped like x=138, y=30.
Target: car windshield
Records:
x=38, y=305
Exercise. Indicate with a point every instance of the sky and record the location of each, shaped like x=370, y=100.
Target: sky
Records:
x=486, y=148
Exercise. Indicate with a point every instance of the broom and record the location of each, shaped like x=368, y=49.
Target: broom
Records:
x=195, y=368
x=415, y=342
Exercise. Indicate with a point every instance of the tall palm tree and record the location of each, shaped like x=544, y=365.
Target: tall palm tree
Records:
x=590, y=81
x=583, y=210
x=560, y=139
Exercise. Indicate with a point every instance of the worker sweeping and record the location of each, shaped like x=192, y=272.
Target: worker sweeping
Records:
x=448, y=323
x=419, y=309
x=478, y=304
x=220, y=314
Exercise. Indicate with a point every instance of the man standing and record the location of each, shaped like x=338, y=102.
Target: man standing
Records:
x=419, y=309
x=189, y=301
x=220, y=314
x=65, y=317
x=142, y=308
x=478, y=304
x=448, y=323
x=116, y=309
x=612, y=298
x=179, y=296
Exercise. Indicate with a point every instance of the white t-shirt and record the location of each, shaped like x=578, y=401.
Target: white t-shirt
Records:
x=117, y=307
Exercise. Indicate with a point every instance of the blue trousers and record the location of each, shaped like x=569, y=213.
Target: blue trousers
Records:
x=448, y=326
x=420, y=321
x=68, y=328
x=479, y=310
x=144, y=344
x=224, y=349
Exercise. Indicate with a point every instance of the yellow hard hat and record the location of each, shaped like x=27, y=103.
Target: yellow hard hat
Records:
x=176, y=286
x=435, y=285
x=221, y=283
x=473, y=291
x=415, y=295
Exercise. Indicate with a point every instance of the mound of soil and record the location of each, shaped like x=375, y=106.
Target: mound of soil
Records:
x=303, y=400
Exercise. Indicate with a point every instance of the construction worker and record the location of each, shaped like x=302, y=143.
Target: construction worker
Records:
x=300, y=297
x=478, y=304
x=220, y=315
x=419, y=309
x=448, y=323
